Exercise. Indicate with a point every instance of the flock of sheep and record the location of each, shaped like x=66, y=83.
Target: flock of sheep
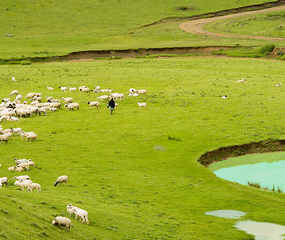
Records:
x=16, y=109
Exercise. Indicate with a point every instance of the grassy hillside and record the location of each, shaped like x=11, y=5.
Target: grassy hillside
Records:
x=269, y=25
x=44, y=28
x=136, y=172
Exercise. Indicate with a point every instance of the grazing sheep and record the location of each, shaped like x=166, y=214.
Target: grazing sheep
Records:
x=143, y=91
x=23, y=177
x=23, y=184
x=12, y=119
x=15, y=130
x=4, y=138
x=53, y=109
x=8, y=134
x=24, y=165
x=67, y=100
x=63, y=89
x=50, y=88
x=25, y=134
x=81, y=87
x=62, y=221
x=72, y=89
x=18, y=169
x=3, y=180
x=13, y=79
x=132, y=90
x=97, y=87
x=15, y=92
x=86, y=89
x=141, y=105
x=41, y=110
x=5, y=100
x=94, y=103
x=31, y=137
x=103, y=97
x=71, y=106
x=82, y=214
x=30, y=95
x=118, y=95
x=133, y=94
x=56, y=105
x=224, y=97
x=18, y=98
x=33, y=186
x=61, y=179
x=242, y=80
x=278, y=85
x=26, y=181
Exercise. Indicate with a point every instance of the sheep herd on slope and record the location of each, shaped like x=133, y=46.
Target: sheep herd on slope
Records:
x=14, y=110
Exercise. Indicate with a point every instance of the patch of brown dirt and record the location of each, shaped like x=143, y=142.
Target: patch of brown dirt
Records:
x=223, y=153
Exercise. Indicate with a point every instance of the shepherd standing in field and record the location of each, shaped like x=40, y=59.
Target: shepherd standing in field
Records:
x=111, y=105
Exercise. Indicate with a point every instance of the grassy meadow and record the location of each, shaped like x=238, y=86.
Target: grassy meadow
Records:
x=265, y=24
x=42, y=28
x=136, y=172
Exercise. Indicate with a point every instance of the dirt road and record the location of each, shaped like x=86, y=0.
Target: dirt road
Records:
x=196, y=26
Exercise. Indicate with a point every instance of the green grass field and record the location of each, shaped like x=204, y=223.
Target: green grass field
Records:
x=51, y=28
x=136, y=172
x=266, y=24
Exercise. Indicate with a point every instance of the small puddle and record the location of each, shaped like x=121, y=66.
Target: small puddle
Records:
x=230, y=214
x=260, y=230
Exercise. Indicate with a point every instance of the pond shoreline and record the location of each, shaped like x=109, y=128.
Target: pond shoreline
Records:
x=223, y=153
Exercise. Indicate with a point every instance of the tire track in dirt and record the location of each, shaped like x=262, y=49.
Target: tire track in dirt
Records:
x=196, y=26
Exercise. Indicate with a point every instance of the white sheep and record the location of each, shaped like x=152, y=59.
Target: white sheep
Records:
x=86, y=89
x=143, y=91
x=94, y=103
x=26, y=181
x=72, y=89
x=5, y=100
x=62, y=221
x=4, y=138
x=8, y=134
x=71, y=106
x=33, y=186
x=224, y=97
x=133, y=94
x=56, y=105
x=4, y=180
x=23, y=184
x=19, y=97
x=31, y=137
x=12, y=119
x=16, y=130
x=53, y=109
x=278, y=85
x=82, y=214
x=242, y=80
x=25, y=134
x=118, y=95
x=50, y=88
x=14, y=92
x=67, y=100
x=61, y=179
x=23, y=177
x=30, y=95
x=132, y=90
x=13, y=79
x=81, y=87
x=103, y=97
x=24, y=165
x=63, y=89
x=141, y=105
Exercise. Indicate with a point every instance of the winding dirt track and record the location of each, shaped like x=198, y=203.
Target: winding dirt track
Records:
x=196, y=26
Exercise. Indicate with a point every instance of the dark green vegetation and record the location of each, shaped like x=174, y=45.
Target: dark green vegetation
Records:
x=42, y=28
x=136, y=172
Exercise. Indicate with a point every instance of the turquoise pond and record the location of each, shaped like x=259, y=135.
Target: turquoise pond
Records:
x=267, y=174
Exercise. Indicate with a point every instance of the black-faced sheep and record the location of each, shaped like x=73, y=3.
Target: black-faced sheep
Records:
x=61, y=179
x=62, y=221
x=94, y=103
